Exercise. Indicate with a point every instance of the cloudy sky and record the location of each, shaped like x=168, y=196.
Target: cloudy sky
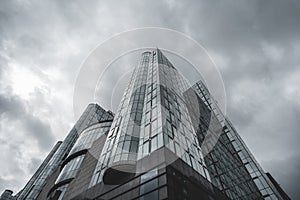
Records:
x=255, y=44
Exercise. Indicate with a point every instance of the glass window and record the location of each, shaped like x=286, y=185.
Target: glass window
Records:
x=133, y=146
x=178, y=149
x=148, y=105
x=126, y=145
x=154, y=100
x=166, y=139
x=154, y=91
x=171, y=146
x=168, y=126
x=154, y=111
x=154, y=125
x=258, y=184
x=160, y=140
x=149, y=175
x=70, y=169
x=173, y=131
x=151, y=196
x=138, y=116
x=172, y=117
x=154, y=144
x=148, y=116
x=146, y=148
x=147, y=131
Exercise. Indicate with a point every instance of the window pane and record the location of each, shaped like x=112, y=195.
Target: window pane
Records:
x=154, y=144
x=160, y=140
x=151, y=196
x=146, y=148
x=147, y=131
x=133, y=147
x=151, y=185
x=154, y=125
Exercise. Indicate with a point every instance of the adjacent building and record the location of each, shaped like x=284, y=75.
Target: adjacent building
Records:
x=167, y=140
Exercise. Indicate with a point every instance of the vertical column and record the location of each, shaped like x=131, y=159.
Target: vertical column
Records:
x=118, y=159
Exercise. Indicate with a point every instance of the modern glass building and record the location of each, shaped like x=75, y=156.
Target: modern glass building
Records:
x=167, y=140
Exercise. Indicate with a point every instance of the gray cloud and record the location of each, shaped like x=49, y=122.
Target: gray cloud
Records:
x=35, y=163
x=291, y=171
x=13, y=109
x=255, y=44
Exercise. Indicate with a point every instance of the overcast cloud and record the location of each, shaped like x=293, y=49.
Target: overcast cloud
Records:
x=255, y=44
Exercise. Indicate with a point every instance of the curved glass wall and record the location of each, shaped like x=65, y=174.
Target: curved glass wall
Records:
x=76, y=156
x=89, y=135
x=70, y=169
x=84, y=142
x=92, y=114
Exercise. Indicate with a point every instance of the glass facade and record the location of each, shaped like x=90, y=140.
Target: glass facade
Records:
x=152, y=114
x=148, y=185
x=232, y=166
x=91, y=115
x=263, y=183
x=84, y=142
x=89, y=135
x=167, y=140
x=178, y=133
x=121, y=146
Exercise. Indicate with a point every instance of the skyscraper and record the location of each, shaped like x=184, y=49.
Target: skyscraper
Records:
x=167, y=140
